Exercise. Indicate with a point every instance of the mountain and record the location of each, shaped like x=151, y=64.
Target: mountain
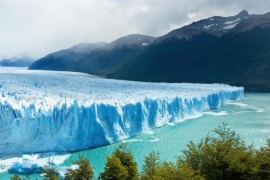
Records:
x=86, y=47
x=111, y=56
x=17, y=61
x=233, y=50
x=102, y=59
x=66, y=59
x=216, y=26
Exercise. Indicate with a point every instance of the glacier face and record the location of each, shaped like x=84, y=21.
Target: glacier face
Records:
x=43, y=111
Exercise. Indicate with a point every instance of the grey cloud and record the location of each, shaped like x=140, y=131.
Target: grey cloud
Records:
x=38, y=27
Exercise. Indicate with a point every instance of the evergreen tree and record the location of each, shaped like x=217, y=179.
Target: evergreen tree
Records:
x=84, y=172
x=114, y=169
x=151, y=164
x=50, y=173
x=127, y=164
x=127, y=160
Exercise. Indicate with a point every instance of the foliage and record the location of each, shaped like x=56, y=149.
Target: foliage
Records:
x=263, y=162
x=124, y=163
x=114, y=169
x=153, y=169
x=185, y=171
x=151, y=163
x=224, y=156
x=50, y=173
x=16, y=177
x=127, y=160
x=84, y=172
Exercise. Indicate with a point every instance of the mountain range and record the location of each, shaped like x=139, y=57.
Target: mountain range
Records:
x=98, y=58
x=17, y=61
x=233, y=50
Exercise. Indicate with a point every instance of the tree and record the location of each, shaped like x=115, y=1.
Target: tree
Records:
x=50, y=173
x=84, y=172
x=123, y=155
x=150, y=166
x=263, y=162
x=127, y=160
x=153, y=169
x=15, y=177
x=114, y=169
x=223, y=156
x=185, y=171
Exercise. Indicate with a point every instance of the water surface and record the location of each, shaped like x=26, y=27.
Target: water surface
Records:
x=249, y=117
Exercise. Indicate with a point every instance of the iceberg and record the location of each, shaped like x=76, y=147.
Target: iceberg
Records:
x=30, y=164
x=25, y=166
x=45, y=111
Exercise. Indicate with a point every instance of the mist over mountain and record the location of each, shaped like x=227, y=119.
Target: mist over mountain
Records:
x=67, y=59
x=99, y=59
x=17, y=61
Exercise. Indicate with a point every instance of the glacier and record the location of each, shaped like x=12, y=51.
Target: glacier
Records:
x=46, y=111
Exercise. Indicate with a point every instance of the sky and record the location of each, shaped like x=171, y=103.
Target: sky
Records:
x=39, y=27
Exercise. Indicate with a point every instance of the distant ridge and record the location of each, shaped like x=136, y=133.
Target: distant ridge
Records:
x=17, y=61
x=233, y=50
x=98, y=59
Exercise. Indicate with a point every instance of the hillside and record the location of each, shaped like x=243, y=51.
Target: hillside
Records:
x=239, y=56
x=65, y=60
x=99, y=60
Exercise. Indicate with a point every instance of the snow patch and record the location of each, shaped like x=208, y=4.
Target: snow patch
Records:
x=231, y=26
x=232, y=22
x=144, y=44
x=208, y=26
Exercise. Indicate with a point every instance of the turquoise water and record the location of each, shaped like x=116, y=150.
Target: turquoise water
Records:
x=249, y=117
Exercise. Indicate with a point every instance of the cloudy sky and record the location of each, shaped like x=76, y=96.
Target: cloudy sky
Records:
x=38, y=27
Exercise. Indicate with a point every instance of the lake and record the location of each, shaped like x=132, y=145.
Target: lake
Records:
x=249, y=117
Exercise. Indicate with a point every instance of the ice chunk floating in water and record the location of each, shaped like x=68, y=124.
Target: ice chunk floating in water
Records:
x=44, y=111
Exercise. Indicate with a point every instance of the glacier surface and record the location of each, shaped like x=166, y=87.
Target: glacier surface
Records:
x=43, y=111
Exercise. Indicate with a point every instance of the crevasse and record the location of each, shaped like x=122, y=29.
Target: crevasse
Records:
x=41, y=112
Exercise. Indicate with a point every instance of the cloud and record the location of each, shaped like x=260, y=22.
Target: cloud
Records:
x=38, y=27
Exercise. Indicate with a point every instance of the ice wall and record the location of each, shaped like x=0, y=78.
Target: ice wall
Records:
x=46, y=111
